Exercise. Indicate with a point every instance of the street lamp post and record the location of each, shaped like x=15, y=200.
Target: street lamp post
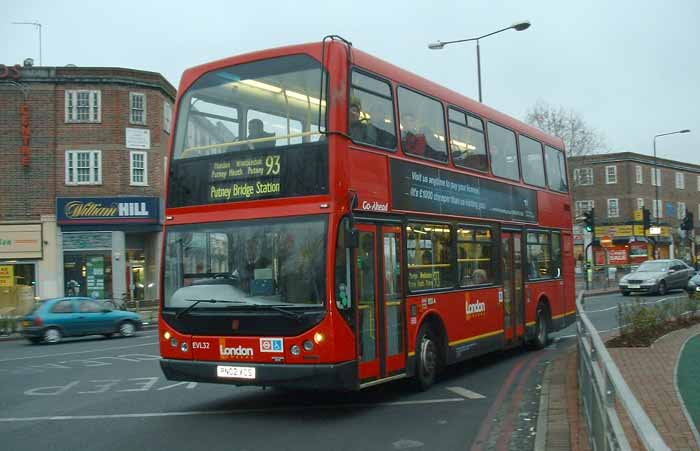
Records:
x=520, y=26
x=657, y=207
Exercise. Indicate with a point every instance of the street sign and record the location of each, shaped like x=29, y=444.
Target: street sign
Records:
x=654, y=230
x=606, y=241
x=638, y=215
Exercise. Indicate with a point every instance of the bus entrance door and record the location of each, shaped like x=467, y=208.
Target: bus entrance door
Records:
x=378, y=295
x=513, y=299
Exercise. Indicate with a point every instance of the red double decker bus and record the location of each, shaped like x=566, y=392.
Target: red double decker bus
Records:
x=334, y=221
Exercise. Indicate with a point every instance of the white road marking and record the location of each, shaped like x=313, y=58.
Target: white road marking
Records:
x=223, y=412
x=466, y=393
x=76, y=352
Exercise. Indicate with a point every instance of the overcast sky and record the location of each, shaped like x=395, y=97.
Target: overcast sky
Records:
x=631, y=68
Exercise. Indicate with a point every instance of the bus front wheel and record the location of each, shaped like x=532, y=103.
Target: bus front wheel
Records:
x=426, y=358
x=541, y=329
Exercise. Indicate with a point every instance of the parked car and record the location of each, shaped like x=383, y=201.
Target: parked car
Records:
x=56, y=318
x=657, y=276
x=693, y=285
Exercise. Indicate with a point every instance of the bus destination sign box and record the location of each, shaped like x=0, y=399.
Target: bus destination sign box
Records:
x=249, y=175
x=422, y=188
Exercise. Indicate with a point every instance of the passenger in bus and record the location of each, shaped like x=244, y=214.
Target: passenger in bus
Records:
x=412, y=138
x=360, y=129
x=256, y=130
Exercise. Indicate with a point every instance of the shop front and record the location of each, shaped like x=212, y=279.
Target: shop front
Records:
x=21, y=250
x=110, y=246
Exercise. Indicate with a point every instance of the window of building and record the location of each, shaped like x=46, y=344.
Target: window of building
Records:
x=556, y=169
x=613, y=208
x=532, y=161
x=539, y=255
x=422, y=126
x=583, y=176
x=681, y=210
x=583, y=206
x=657, y=210
x=639, y=175
x=371, y=116
x=167, y=116
x=640, y=203
x=467, y=141
x=611, y=174
x=83, y=106
x=475, y=256
x=83, y=167
x=655, y=176
x=139, y=168
x=503, y=152
x=428, y=256
x=137, y=101
x=680, y=180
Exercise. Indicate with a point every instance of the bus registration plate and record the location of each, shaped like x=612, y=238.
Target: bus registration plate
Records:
x=235, y=372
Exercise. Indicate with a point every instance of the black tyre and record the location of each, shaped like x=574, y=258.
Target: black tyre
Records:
x=52, y=335
x=34, y=340
x=541, y=339
x=127, y=329
x=107, y=335
x=426, y=358
x=662, y=288
x=625, y=293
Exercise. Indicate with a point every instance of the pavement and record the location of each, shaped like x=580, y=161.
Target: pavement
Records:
x=665, y=379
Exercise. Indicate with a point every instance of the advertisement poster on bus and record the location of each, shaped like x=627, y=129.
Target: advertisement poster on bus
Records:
x=423, y=188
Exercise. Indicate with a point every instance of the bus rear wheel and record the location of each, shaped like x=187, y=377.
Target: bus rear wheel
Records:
x=426, y=358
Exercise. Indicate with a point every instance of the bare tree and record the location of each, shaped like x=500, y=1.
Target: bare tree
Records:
x=579, y=138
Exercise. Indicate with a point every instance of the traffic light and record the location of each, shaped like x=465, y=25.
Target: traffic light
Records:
x=687, y=223
x=589, y=220
x=646, y=217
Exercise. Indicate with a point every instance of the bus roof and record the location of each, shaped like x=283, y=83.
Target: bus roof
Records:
x=385, y=69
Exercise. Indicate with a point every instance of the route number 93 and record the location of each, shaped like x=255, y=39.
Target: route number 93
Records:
x=272, y=165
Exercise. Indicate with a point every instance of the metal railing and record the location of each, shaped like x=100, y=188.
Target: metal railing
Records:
x=601, y=385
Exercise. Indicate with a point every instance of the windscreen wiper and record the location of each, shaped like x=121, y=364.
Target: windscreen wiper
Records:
x=208, y=301
x=286, y=312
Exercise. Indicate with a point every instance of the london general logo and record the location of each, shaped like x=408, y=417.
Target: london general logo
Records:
x=271, y=345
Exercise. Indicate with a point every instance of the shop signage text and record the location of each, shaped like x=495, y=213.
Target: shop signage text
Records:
x=13, y=72
x=26, y=151
x=95, y=210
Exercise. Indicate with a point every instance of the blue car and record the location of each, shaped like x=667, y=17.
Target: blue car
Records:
x=56, y=318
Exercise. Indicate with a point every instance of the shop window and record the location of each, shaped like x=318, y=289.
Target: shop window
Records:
x=88, y=274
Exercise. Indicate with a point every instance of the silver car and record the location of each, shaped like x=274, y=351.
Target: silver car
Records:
x=657, y=276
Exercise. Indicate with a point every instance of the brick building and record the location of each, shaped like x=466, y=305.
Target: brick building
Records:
x=83, y=161
x=617, y=184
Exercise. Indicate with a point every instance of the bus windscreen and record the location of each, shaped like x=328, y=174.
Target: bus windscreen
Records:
x=251, y=131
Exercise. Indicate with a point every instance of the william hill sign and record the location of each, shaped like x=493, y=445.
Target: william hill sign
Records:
x=106, y=210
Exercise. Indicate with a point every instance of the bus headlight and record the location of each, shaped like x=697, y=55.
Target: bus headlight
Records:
x=173, y=342
x=308, y=345
x=319, y=337
x=184, y=347
x=296, y=350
